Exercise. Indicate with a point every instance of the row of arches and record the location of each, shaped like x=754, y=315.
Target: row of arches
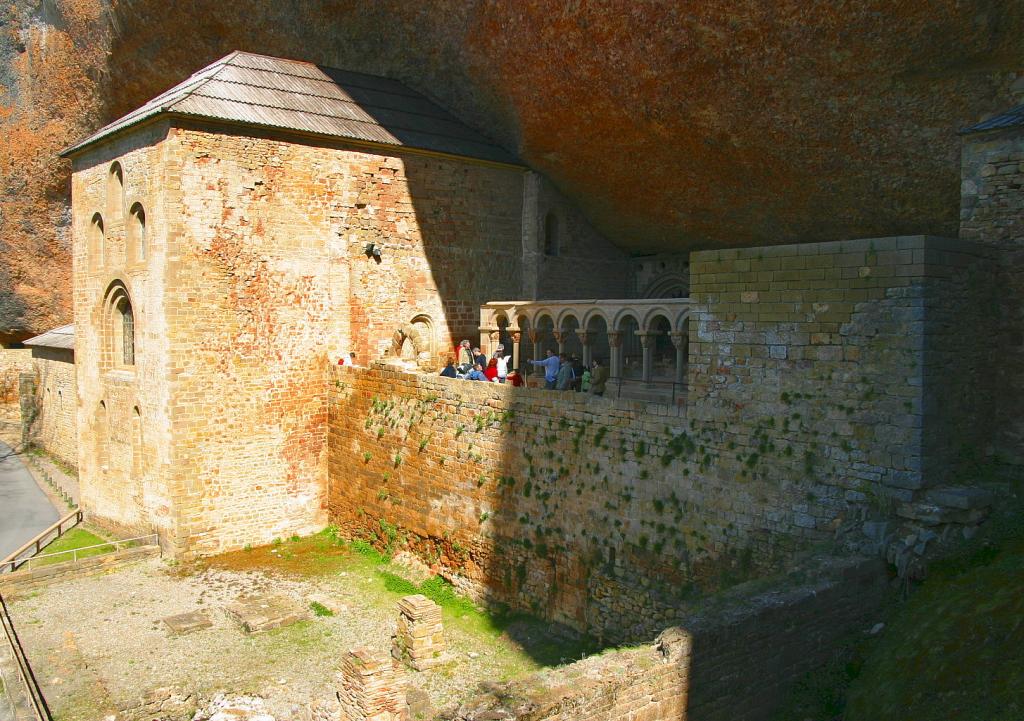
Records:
x=647, y=343
x=135, y=226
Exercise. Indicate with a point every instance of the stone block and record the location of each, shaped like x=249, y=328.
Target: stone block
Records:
x=183, y=623
x=262, y=613
x=962, y=497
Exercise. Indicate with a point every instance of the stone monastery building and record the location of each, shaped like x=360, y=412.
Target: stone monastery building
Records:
x=238, y=234
x=223, y=258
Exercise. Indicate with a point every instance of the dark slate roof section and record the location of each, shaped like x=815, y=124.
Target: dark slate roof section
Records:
x=63, y=337
x=1009, y=119
x=292, y=95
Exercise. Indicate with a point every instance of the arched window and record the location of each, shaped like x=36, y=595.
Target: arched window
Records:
x=551, y=234
x=137, y=233
x=115, y=193
x=96, y=242
x=119, y=332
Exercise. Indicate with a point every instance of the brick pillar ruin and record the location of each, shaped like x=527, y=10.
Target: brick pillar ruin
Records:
x=419, y=638
x=372, y=688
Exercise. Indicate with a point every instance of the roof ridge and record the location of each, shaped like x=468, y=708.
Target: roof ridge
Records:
x=409, y=92
x=370, y=123
x=284, y=94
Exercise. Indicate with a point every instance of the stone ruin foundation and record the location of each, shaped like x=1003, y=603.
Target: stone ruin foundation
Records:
x=419, y=637
x=371, y=688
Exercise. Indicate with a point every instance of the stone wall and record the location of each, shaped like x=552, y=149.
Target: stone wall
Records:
x=810, y=378
x=13, y=361
x=860, y=362
x=255, y=277
x=735, y=661
x=992, y=214
x=123, y=414
x=584, y=263
x=52, y=420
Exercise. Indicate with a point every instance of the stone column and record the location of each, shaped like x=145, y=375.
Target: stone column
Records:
x=680, y=341
x=647, y=343
x=615, y=349
x=560, y=339
x=538, y=354
x=585, y=342
x=488, y=334
x=372, y=688
x=419, y=637
x=516, y=342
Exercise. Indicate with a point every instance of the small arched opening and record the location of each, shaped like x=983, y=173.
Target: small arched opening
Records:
x=137, y=233
x=115, y=193
x=96, y=243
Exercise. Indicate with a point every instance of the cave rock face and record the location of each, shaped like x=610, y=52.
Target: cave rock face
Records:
x=673, y=125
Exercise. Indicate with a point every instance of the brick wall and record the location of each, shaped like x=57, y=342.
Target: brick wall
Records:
x=992, y=214
x=55, y=406
x=812, y=379
x=733, y=662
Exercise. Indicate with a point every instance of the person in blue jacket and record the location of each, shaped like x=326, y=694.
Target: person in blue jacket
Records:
x=550, y=364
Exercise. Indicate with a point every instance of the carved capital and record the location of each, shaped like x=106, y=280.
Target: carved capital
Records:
x=646, y=339
x=679, y=339
x=533, y=334
x=615, y=339
x=516, y=336
x=584, y=337
x=558, y=335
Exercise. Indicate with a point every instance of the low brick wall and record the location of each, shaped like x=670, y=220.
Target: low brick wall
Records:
x=20, y=582
x=735, y=661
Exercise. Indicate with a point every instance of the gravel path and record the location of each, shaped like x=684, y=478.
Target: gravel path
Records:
x=99, y=646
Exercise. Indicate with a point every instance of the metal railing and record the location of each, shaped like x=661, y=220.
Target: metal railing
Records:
x=28, y=678
x=14, y=560
x=117, y=544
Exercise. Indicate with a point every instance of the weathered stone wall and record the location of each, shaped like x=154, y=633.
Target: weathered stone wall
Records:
x=271, y=240
x=13, y=361
x=54, y=414
x=807, y=413
x=666, y=275
x=583, y=264
x=835, y=358
x=734, y=661
x=123, y=418
x=992, y=213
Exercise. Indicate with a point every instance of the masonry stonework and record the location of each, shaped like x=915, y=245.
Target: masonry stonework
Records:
x=807, y=413
x=51, y=422
x=253, y=275
x=992, y=214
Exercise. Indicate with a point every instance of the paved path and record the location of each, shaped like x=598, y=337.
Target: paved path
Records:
x=24, y=509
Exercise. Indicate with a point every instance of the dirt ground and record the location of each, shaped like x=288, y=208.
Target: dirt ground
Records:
x=101, y=650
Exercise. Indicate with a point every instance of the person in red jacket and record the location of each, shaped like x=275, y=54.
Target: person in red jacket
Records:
x=491, y=372
x=514, y=378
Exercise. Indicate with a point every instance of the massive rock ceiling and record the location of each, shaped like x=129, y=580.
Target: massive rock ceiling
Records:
x=674, y=124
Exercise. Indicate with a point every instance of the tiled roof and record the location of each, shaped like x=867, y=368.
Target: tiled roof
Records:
x=63, y=337
x=292, y=95
x=1009, y=119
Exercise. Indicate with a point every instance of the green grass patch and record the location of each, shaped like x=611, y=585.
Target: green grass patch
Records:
x=76, y=538
x=320, y=610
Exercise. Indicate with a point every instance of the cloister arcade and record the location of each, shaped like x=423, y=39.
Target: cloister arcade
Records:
x=643, y=341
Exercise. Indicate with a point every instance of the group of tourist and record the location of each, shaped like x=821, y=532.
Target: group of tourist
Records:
x=561, y=372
